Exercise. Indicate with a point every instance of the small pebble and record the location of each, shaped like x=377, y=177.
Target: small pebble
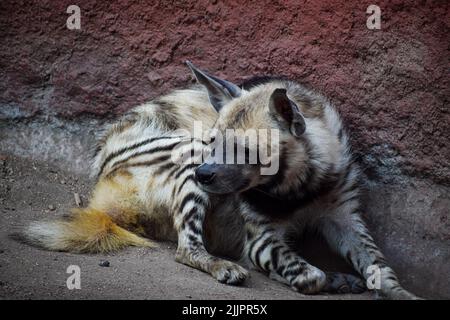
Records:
x=77, y=199
x=104, y=263
x=51, y=207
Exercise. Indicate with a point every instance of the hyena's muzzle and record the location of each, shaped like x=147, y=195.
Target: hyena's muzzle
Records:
x=234, y=165
x=224, y=178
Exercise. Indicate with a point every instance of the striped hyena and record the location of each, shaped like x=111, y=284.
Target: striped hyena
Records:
x=222, y=209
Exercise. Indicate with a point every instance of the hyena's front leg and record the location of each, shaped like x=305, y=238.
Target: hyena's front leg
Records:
x=347, y=235
x=189, y=218
x=267, y=250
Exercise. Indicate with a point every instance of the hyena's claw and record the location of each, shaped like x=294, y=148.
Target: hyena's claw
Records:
x=343, y=283
x=228, y=272
x=310, y=281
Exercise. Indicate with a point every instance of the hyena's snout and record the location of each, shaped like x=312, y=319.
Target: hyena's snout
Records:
x=206, y=174
x=222, y=178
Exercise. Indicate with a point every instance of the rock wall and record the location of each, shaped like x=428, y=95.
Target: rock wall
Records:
x=391, y=86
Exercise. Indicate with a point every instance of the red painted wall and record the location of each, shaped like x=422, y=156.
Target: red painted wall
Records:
x=392, y=85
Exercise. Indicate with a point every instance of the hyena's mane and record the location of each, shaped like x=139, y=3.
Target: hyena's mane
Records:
x=255, y=81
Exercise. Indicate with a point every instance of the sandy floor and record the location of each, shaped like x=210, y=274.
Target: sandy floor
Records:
x=31, y=190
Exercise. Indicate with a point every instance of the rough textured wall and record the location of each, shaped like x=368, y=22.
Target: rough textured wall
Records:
x=391, y=85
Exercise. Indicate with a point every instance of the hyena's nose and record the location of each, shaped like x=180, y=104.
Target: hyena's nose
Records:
x=205, y=174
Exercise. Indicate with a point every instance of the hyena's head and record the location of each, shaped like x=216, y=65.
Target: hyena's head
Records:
x=251, y=127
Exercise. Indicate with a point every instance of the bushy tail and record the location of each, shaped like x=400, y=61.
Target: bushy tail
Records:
x=84, y=231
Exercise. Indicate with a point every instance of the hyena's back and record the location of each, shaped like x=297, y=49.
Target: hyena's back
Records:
x=136, y=190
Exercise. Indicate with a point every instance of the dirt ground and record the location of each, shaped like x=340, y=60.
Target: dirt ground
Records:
x=31, y=190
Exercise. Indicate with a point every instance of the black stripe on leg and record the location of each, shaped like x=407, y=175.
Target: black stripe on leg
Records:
x=193, y=227
x=260, y=250
x=274, y=254
x=253, y=243
x=191, y=196
x=186, y=179
x=294, y=268
x=191, y=214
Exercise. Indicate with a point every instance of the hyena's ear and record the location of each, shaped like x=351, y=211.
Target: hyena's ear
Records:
x=285, y=110
x=219, y=91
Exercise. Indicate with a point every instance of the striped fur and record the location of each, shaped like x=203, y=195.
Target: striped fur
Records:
x=141, y=193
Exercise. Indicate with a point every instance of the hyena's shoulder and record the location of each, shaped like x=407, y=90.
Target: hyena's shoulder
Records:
x=162, y=116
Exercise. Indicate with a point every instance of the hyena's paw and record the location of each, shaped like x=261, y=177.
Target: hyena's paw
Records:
x=343, y=283
x=228, y=272
x=310, y=281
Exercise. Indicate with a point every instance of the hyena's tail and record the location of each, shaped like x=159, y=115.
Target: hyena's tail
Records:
x=84, y=231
